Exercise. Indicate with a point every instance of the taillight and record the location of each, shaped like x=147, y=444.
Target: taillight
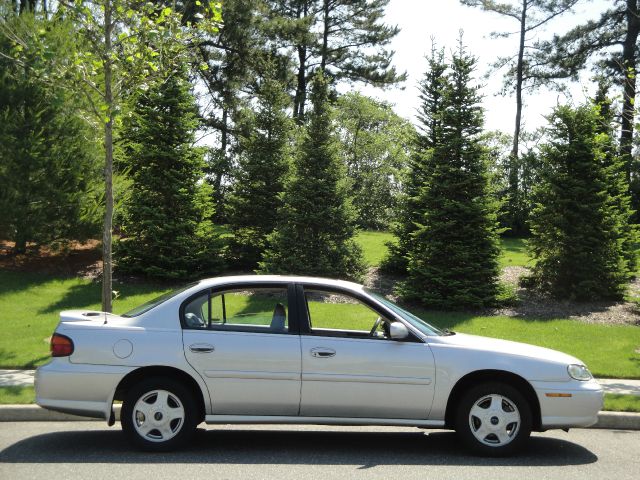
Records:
x=61, y=345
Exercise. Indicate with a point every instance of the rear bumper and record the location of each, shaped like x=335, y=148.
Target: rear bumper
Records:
x=580, y=409
x=78, y=389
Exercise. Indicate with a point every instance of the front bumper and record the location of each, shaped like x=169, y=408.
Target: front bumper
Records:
x=78, y=389
x=580, y=409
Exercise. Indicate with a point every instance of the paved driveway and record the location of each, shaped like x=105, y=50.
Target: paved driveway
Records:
x=90, y=450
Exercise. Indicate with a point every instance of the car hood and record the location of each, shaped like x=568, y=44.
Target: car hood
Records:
x=495, y=345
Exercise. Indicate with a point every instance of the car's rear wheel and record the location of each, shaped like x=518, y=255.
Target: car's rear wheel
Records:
x=159, y=414
x=493, y=419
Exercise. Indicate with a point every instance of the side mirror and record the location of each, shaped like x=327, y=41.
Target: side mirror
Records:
x=398, y=331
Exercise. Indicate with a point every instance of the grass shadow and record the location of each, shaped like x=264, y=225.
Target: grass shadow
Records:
x=85, y=295
x=13, y=281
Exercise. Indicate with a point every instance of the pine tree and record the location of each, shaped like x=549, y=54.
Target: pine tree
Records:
x=314, y=235
x=167, y=227
x=264, y=162
x=617, y=184
x=580, y=220
x=429, y=134
x=453, y=252
x=48, y=152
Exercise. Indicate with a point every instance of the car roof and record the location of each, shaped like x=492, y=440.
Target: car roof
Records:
x=327, y=282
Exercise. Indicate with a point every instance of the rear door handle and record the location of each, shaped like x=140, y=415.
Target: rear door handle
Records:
x=322, y=352
x=201, y=348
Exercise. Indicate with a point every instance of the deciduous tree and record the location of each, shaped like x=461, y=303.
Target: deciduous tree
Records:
x=376, y=147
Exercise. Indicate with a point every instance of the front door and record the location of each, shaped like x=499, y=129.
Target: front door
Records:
x=241, y=342
x=351, y=369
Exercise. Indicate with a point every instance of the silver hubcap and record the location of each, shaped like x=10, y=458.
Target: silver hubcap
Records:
x=158, y=416
x=494, y=420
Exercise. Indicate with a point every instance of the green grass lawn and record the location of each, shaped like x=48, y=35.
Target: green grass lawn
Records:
x=621, y=403
x=514, y=252
x=373, y=244
x=17, y=395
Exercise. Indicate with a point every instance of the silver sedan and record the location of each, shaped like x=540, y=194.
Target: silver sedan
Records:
x=299, y=350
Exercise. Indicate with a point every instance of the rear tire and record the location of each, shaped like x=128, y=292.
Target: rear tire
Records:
x=493, y=419
x=159, y=414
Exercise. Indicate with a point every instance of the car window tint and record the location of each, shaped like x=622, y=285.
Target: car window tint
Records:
x=246, y=309
x=337, y=312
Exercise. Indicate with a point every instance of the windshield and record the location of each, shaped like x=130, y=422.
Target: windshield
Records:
x=145, y=307
x=417, y=322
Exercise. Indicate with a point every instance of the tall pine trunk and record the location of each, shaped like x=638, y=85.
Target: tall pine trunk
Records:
x=107, y=266
x=513, y=158
x=629, y=75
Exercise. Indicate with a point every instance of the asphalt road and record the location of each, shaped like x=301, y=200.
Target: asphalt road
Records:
x=91, y=450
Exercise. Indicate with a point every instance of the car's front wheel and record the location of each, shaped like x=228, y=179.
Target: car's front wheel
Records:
x=159, y=415
x=493, y=419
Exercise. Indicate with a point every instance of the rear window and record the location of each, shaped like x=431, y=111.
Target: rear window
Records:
x=145, y=307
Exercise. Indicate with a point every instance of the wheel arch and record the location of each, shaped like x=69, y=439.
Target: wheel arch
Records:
x=167, y=372
x=482, y=376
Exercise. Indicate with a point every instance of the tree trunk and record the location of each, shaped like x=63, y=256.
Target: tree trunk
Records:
x=107, y=266
x=325, y=36
x=222, y=166
x=301, y=87
x=629, y=75
x=513, y=157
x=21, y=243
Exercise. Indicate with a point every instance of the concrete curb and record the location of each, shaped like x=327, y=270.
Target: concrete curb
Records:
x=34, y=413
x=618, y=421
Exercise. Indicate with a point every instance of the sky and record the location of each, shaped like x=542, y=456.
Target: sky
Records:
x=420, y=20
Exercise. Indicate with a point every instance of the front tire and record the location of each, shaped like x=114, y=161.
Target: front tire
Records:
x=159, y=414
x=493, y=419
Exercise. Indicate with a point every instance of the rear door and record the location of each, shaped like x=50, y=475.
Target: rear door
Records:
x=244, y=342
x=350, y=371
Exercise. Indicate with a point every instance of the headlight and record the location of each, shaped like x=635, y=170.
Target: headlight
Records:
x=579, y=372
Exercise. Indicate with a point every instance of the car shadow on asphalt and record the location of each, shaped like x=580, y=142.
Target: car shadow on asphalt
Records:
x=293, y=447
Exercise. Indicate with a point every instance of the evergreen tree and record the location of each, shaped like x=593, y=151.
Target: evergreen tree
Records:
x=167, y=224
x=579, y=222
x=429, y=135
x=48, y=152
x=453, y=252
x=264, y=162
x=617, y=184
x=314, y=234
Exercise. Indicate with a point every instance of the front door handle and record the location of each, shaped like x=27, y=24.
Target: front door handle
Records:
x=322, y=352
x=201, y=348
